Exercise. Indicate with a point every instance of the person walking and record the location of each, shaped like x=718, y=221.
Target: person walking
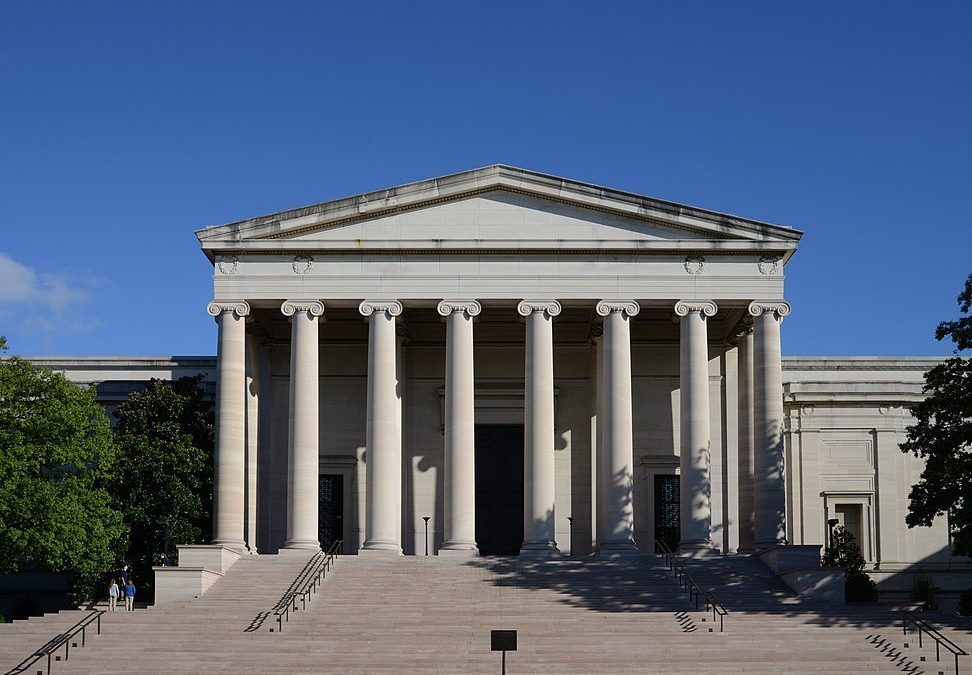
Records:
x=129, y=595
x=112, y=595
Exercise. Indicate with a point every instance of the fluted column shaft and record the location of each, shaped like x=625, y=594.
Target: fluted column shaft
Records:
x=228, y=496
x=459, y=500
x=770, y=485
x=383, y=518
x=538, y=429
x=303, y=447
x=745, y=443
x=617, y=436
x=253, y=377
x=694, y=479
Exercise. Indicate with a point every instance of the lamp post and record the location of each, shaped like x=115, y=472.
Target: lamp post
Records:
x=164, y=522
x=426, y=519
x=570, y=527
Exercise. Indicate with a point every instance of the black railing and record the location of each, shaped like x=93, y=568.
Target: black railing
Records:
x=690, y=586
x=311, y=583
x=58, y=641
x=923, y=627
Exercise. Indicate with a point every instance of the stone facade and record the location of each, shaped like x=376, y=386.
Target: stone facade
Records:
x=501, y=349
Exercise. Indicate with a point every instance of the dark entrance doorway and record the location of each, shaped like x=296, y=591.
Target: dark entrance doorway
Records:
x=331, y=514
x=667, y=515
x=499, y=489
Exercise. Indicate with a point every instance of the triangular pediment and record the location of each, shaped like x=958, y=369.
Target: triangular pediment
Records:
x=498, y=207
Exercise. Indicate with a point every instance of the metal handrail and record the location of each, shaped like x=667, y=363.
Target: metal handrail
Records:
x=58, y=641
x=313, y=580
x=690, y=586
x=923, y=626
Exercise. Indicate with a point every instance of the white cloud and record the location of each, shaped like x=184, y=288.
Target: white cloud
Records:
x=20, y=284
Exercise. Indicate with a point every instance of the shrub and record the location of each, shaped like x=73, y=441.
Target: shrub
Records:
x=844, y=552
x=923, y=590
x=965, y=603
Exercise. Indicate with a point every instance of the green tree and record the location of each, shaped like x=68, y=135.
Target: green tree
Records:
x=942, y=435
x=844, y=552
x=165, y=437
x=56, y=458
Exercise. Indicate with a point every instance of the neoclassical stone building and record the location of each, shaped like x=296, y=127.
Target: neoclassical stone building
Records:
x=525, y=364
x=536, y=365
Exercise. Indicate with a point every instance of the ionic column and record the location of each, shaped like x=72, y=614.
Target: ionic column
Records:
x=538, y=429
x=744, y=395
x=459, y=500
x=383, y=519
x=770, y=486
x=252, y=440
x=230, y=422
x=617, y=436
x=302, y=449
x=695, y=508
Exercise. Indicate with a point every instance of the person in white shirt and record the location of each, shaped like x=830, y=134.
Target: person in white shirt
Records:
x=112, y=595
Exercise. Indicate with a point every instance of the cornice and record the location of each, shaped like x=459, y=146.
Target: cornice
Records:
x=667, y=247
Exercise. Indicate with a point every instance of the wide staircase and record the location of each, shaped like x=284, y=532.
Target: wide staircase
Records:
x=417, y=614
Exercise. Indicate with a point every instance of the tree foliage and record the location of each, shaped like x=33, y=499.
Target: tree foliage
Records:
x=56, y=458
x=165, y=437
x=942, y=435
x=844, y=552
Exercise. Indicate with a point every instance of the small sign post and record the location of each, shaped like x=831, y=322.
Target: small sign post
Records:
x=503, y=641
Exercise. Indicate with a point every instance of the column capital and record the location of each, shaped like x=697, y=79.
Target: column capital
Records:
x=685, y=307
x=607, y=307
x=291, y=307
x=217, y=307
x=528, y=307
x=778, y=307
x=369, y=307
x=470, y=307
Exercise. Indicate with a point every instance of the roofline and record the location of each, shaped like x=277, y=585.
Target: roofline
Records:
x=411, y=195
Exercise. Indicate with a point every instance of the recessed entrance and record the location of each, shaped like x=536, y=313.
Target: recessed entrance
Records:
x=331, y=510
x=667, y=528
x=499, y=489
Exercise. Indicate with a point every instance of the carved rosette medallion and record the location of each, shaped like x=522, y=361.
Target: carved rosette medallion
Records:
x=240, y=307
x=470, y=307
x=550, y=307
x=627, y=307
x=228, y=264
x=390, y=307
x=302, y=264
x=779, y=308
x=313, y=307
x=705, y=307
x=769, y=265
x=694, y=264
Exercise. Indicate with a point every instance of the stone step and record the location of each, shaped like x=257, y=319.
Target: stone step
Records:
x=426, y=615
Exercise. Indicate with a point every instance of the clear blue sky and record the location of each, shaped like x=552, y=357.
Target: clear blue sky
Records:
x=124, y=126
